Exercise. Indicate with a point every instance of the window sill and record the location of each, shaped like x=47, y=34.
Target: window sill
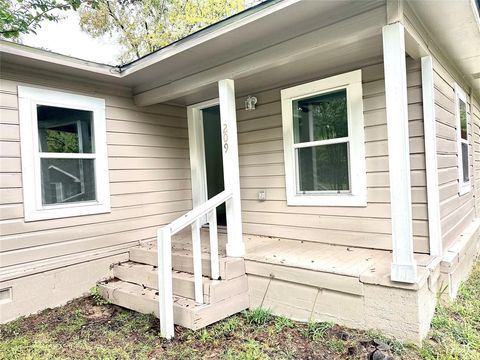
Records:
x=464, y=189
x=327, y=200
x=60, y=212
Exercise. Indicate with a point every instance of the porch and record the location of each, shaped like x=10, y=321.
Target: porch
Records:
x=304, y=281
x=330, y=260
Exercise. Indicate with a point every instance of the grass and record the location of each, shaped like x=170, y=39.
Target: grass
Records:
x=455, y=330
x=90, y=328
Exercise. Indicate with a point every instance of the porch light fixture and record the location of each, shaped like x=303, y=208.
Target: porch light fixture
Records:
x=250, y=103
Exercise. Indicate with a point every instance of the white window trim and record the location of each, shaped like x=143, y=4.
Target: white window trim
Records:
x=463, y=187
x=352, y=82
x=34, y=210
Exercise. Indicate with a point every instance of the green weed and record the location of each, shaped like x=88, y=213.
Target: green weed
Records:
x=316, y=330
x=282, y=322
x=335, y=345
x=250, y=350
x=258, y=316
x=97, y=297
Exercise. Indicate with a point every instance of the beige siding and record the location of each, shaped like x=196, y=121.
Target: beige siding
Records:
x=456, y=211
x=149, y=178
x=262, y=168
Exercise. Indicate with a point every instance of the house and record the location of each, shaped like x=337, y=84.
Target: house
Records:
x=318, y=158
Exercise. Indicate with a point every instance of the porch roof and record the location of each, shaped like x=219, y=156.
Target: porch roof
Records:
x=263, y=44
x=454, y=26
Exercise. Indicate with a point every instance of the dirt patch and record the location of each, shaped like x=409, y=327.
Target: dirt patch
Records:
x=98, y=313
x=84, y=330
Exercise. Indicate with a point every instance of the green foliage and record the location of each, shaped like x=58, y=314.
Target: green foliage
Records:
x=317, y=330
x=145, y=26
x=228, y=326
x=250, y=350
x=24, y=16
x=335, y=345
x=258, y=316
x=455, y=326
x=282, y=322
x=28, y=348
x=204, y=335
x=397, y=347
x=62, y=141
x=97, y=297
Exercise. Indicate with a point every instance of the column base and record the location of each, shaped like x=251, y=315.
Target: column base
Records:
x=236, y=249
x=406, y=273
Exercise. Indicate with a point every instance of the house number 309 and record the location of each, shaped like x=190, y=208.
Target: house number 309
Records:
x=225, y=137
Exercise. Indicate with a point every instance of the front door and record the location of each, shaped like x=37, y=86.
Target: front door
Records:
x=206, y=157
x=212, y=140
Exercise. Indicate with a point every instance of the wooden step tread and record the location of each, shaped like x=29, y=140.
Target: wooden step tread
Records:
x=230, y=267
x=183, y=283
x=185, y=311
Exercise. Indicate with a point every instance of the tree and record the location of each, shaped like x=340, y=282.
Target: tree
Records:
x=143, y=26
x=24, y=16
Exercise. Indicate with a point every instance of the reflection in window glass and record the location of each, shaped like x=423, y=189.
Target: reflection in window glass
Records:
x=67, y=180
x=463, y=119
x=63, y=130
x=465, y=162
x=320, y=117
x=323, y=168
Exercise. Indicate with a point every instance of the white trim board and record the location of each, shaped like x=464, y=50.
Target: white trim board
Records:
x=357, y=196
x=464, y=187
x=403, y=267
x=29, y=98
x=197, y=152
x=430, y=131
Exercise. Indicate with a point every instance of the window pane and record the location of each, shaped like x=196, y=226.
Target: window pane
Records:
x=320, y=117
x=463, y=119
x=323, y=168
x=67, y=180
x=64, y=130
x=465, y=162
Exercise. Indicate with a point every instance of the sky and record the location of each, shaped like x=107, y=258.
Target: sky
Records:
x=66, y=37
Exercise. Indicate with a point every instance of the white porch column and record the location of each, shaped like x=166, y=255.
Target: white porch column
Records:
x=231, y=172
x=403, y=267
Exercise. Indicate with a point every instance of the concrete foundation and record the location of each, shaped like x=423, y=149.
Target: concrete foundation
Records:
x=366, y=299
x=30, y=294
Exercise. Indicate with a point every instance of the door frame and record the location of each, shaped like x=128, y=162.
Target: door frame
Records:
x=197, y=151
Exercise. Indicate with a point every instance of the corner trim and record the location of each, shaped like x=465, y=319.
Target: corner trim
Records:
x=430, y=138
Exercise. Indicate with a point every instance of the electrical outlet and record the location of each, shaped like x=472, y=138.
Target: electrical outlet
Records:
x=262, y=195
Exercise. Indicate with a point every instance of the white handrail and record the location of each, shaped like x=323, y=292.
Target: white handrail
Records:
x=164, y=256
x=201, y=210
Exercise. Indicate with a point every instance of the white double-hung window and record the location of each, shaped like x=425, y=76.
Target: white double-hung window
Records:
x=64, y=154
x=462, y=130
x=323, y=135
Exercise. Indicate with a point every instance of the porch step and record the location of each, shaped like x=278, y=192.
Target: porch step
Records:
x=185, y=311
x=182, y=260
x=183, y=283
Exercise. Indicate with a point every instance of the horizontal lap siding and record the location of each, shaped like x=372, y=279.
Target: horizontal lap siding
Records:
x=262, y=168
x=456, y=211
x=149, y=180
x=417, y=155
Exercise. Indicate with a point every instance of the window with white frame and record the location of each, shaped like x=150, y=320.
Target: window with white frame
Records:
x=64, y=155
x=461, y=114
x=323, y=135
